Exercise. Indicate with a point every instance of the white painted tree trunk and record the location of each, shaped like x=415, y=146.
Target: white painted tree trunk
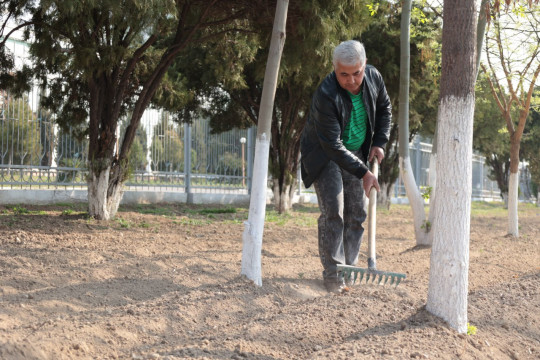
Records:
x=282, y=200
x=448, y=274
x=384, y=196
x=101, y=205
x=432, y=199
x=513, y=200
x=415, y=199
x=253, y=231
x=254, y=226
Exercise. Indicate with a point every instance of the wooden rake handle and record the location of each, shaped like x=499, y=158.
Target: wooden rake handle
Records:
x=372, y=219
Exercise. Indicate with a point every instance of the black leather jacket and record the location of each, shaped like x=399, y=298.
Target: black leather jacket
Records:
x=329, y=114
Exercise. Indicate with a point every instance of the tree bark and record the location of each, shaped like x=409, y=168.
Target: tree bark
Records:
x=254, y=226
x=389, y=169
x=449, y=265
x=282, y=197
x=384, y=197
x=103, y=197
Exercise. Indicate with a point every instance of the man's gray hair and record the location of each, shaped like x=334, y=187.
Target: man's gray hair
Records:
x=350, y=52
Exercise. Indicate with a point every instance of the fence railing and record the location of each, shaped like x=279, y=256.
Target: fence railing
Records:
x=166, y=156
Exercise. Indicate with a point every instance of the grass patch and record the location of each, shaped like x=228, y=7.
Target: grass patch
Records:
x=485, y=207
x=193, y=222
x=227, y=210
x=293, y=217
x=160, y=210
x=125, y=224
x=19, y=210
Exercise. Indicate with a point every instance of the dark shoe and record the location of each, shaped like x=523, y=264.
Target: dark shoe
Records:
x=335, y=286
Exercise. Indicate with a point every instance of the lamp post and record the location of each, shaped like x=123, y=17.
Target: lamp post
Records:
x=243, y=141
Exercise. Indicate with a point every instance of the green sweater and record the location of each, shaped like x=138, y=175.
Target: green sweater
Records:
x=355, y=131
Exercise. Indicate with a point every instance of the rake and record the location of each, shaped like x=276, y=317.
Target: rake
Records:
x=371, y=275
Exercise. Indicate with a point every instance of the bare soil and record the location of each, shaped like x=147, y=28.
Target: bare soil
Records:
x=163, y=282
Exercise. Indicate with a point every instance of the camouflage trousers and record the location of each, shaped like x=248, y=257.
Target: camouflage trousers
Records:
x=341, y=201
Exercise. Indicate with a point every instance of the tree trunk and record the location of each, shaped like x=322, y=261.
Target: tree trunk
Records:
x=513, y=200
x=254, y=226
x=282, y=197
x=449, y=265
x=513, y=187
x=448, y=275
x=504, y=197
x=384, y=198
x=104, y=196
x=538, y=199
x=415, y=199
x=433, y=184
x=389, y=169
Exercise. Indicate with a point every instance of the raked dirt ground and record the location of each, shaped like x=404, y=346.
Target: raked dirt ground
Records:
x=163, y=282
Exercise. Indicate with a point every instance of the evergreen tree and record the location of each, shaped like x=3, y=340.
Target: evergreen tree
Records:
x=108, y=58
x=491, y=137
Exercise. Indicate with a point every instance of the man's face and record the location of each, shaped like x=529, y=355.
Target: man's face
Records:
x=350, y=77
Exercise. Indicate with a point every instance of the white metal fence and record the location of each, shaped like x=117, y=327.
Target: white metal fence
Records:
x=36, y=153
x=166, y=156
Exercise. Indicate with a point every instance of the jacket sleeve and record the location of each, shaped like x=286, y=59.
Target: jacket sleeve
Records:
x=383, y=115
x=327, y=125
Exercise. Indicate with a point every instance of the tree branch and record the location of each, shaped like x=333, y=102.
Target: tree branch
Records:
x=6, y=38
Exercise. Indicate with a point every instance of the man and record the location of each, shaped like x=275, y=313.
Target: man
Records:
x=349, y=123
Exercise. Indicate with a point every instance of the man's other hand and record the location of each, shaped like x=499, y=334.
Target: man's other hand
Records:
x=369, y=180
x=376, y=152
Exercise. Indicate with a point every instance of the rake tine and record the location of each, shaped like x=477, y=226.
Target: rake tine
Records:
x=346, y=274
x=373, y=276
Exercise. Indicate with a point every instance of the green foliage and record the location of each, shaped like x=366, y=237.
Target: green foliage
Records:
x=426, y=225
x=490, y=136
x=109, y=58
x=167, y=146
x=373, y=8
x=137, y=160
x=426, y=192
x=228, y=88
x=530, y=143
x=125, y=224
x=382, y=42
x=19, y=132
x=19, y=210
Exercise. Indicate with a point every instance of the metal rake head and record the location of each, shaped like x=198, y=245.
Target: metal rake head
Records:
x=352, y=274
